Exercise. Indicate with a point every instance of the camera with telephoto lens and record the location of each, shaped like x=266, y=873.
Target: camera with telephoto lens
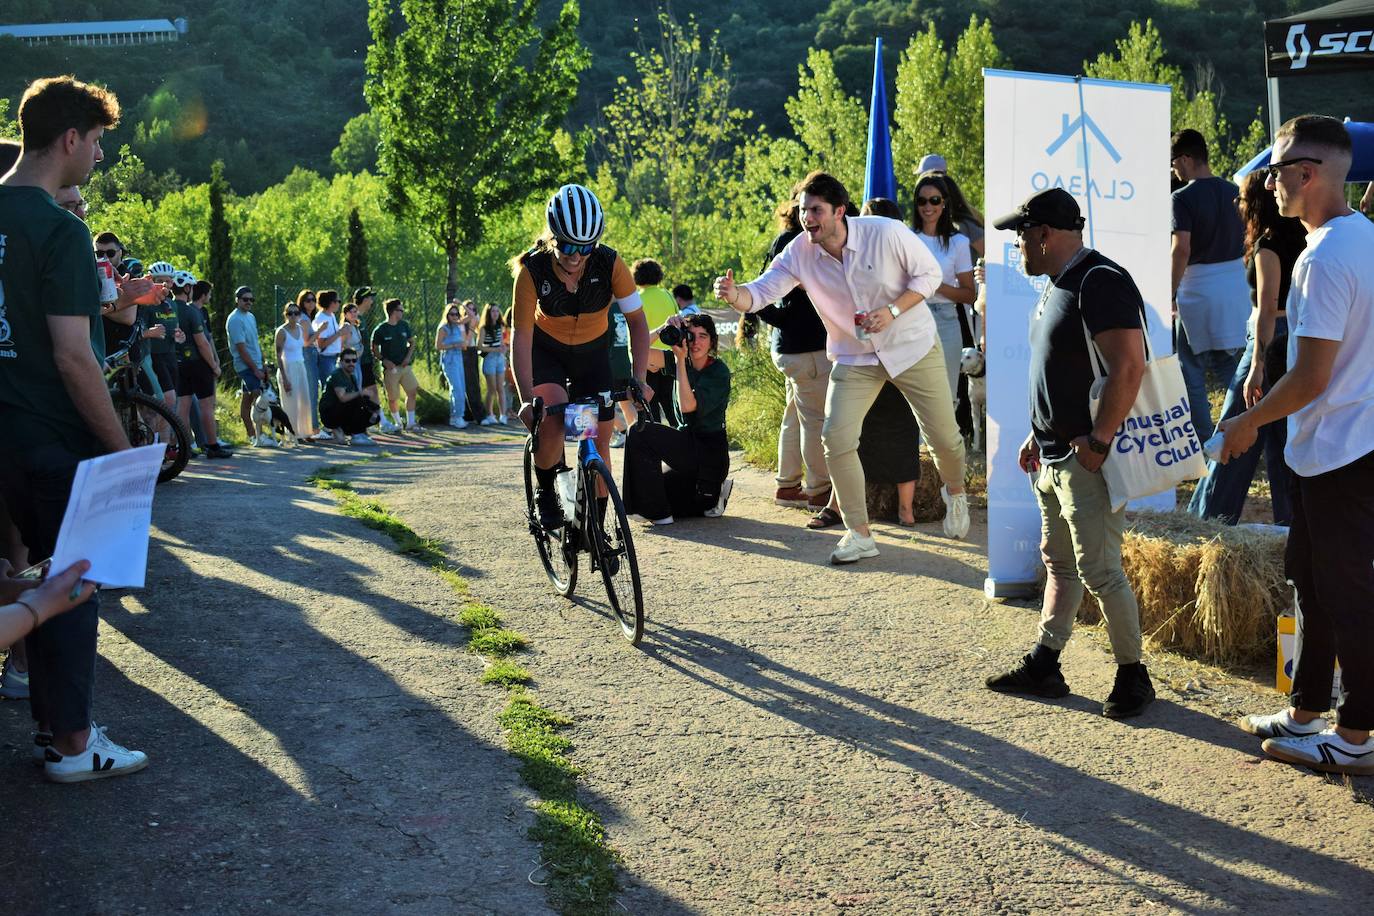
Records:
x=673, y=336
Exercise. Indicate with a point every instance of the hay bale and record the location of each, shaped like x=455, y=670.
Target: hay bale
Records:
x=1208, y=589
x=882, y=497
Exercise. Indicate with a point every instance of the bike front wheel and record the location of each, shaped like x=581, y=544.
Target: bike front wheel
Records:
x=144, y=419
x=557, y=550
x=613, y=552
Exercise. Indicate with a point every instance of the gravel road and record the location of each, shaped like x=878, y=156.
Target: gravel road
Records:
x=790, y=738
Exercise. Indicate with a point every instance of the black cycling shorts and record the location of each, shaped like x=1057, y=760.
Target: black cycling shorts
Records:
x=194, y=379
x=583, y=371
x=165, y=368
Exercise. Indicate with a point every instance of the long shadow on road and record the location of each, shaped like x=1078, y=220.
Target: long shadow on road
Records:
x=1127, y=828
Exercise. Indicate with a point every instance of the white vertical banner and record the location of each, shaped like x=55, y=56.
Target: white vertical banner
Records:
x=1107, y=144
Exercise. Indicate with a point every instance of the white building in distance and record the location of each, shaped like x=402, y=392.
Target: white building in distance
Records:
x=92, y=34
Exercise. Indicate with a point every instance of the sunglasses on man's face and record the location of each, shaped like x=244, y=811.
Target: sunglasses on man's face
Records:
x=1274, y=170
x=571, y=248
x=106, y=252
x=934, y=201
x=348, y=362
x=246, y=299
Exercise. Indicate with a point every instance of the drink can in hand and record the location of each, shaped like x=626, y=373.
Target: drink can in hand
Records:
x=109, y=292
x=859, y=330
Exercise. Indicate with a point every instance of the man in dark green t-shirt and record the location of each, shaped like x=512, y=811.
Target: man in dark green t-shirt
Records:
x=393, y=345
x=197, y=367
x=55, y=409
x=343, y=408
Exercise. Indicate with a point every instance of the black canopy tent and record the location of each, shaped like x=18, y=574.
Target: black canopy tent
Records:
x=1335, y=38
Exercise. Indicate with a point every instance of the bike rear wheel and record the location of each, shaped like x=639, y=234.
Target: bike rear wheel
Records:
x=613, y=552
x=136, y=411
x=557, y=550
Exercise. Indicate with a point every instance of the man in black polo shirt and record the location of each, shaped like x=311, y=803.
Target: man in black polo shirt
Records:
x=1211, y=295
x=1080, y=534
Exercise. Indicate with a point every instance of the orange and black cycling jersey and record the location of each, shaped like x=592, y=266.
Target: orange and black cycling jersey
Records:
x=543, y=301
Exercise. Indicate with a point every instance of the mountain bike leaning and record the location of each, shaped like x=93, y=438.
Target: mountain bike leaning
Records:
x=145, y=420
x=565, y=285
x=592, y=524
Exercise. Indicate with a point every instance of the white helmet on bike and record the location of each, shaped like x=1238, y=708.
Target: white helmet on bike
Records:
x=159, y=269
x=575, y=215
x=183, y=278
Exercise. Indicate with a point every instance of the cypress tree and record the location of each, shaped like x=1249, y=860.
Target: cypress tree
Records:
x=356, y=270
x=221, y=273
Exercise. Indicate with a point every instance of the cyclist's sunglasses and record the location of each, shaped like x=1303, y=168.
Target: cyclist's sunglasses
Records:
x=572, y=248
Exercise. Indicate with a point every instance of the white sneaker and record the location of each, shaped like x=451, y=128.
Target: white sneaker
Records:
x=956, y=513
x=618, y=439
x=360, y=439
x=14, y=685
x=488, y=420
x=458, y=423
x=387, y=426
x=1325, y=751
x=101, y=758
x=504, y=421
x=1281, y=725
x=414, y=427
x=852, y=548
x=339, y=438
x=718, y=509
x=265, y=441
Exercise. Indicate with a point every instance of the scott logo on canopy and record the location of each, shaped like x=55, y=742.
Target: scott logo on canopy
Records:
x=1157, y=432
x=1078, y=130
x=1300, y=48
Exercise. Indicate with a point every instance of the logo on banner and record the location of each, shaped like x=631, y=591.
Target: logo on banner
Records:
x=1329, y=44
x=1079, y=131
x=1297, y=53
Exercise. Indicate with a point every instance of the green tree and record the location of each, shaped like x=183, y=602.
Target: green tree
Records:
x=940, y=105
x=128, y=177
x=9, y=128
x=671, y=136
x=469, y=96
x=356, y=270
x=1139, y=58
x=220, y=270
x=357, y=149
x=831, y=124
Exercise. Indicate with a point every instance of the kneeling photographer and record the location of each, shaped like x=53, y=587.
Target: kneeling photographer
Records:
x=696, y=453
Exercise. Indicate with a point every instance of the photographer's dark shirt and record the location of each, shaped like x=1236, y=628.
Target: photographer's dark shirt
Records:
x=1096, y=291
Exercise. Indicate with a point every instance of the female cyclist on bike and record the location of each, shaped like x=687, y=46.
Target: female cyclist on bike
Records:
x=564, y=286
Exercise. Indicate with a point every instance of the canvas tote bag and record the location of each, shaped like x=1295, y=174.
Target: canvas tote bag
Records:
x=1156, y=447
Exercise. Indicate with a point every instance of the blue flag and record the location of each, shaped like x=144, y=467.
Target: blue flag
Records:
x=879, y=178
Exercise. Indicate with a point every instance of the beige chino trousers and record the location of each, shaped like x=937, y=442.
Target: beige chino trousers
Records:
x=853, y=389
x=801, y=457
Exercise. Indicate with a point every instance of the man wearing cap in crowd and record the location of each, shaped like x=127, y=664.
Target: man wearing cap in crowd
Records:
x=363, y=297
x=1080, y=534
x=246, y=351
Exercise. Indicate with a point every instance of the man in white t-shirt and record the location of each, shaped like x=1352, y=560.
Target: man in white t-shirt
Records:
x=1328, y=398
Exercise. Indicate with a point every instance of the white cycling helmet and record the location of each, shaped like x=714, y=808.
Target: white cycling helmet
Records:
x=183, y=278
x=575, y=215
x=159, y=269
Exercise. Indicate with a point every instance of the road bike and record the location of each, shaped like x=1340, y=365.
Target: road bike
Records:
x=601, y=532
x=145, y=420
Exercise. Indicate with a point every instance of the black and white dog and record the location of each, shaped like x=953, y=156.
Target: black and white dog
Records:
x=974, y=367
x=268, y=417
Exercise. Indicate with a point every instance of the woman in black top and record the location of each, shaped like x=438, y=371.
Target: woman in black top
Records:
x=1272, y=246
x=697, y=453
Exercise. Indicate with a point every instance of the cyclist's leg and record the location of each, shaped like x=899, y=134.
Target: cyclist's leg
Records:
x=550, y=453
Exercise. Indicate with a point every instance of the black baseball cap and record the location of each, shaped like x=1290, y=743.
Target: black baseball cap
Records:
x=1053, y=207
x=243, y=291
x=362, y=293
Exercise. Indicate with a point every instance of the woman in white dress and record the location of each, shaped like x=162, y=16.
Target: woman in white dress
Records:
x=293, y=382
x=934, y=225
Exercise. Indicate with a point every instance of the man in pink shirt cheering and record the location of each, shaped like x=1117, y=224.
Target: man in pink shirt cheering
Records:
x=868, y=277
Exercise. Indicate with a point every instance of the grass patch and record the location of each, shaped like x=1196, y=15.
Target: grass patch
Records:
x=581, y=867
x=496, y=642
x=479, y=617
x=506, y=673
x=758, y=397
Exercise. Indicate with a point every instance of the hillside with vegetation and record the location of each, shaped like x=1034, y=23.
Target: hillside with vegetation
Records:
x=269, y=85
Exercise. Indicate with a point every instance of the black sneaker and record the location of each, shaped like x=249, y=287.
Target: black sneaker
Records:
x=1131, y=693
x=1031, y=677
x=550, y=509
x=215, y=452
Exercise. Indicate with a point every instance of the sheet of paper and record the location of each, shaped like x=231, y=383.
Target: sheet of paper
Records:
x=108, y=515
